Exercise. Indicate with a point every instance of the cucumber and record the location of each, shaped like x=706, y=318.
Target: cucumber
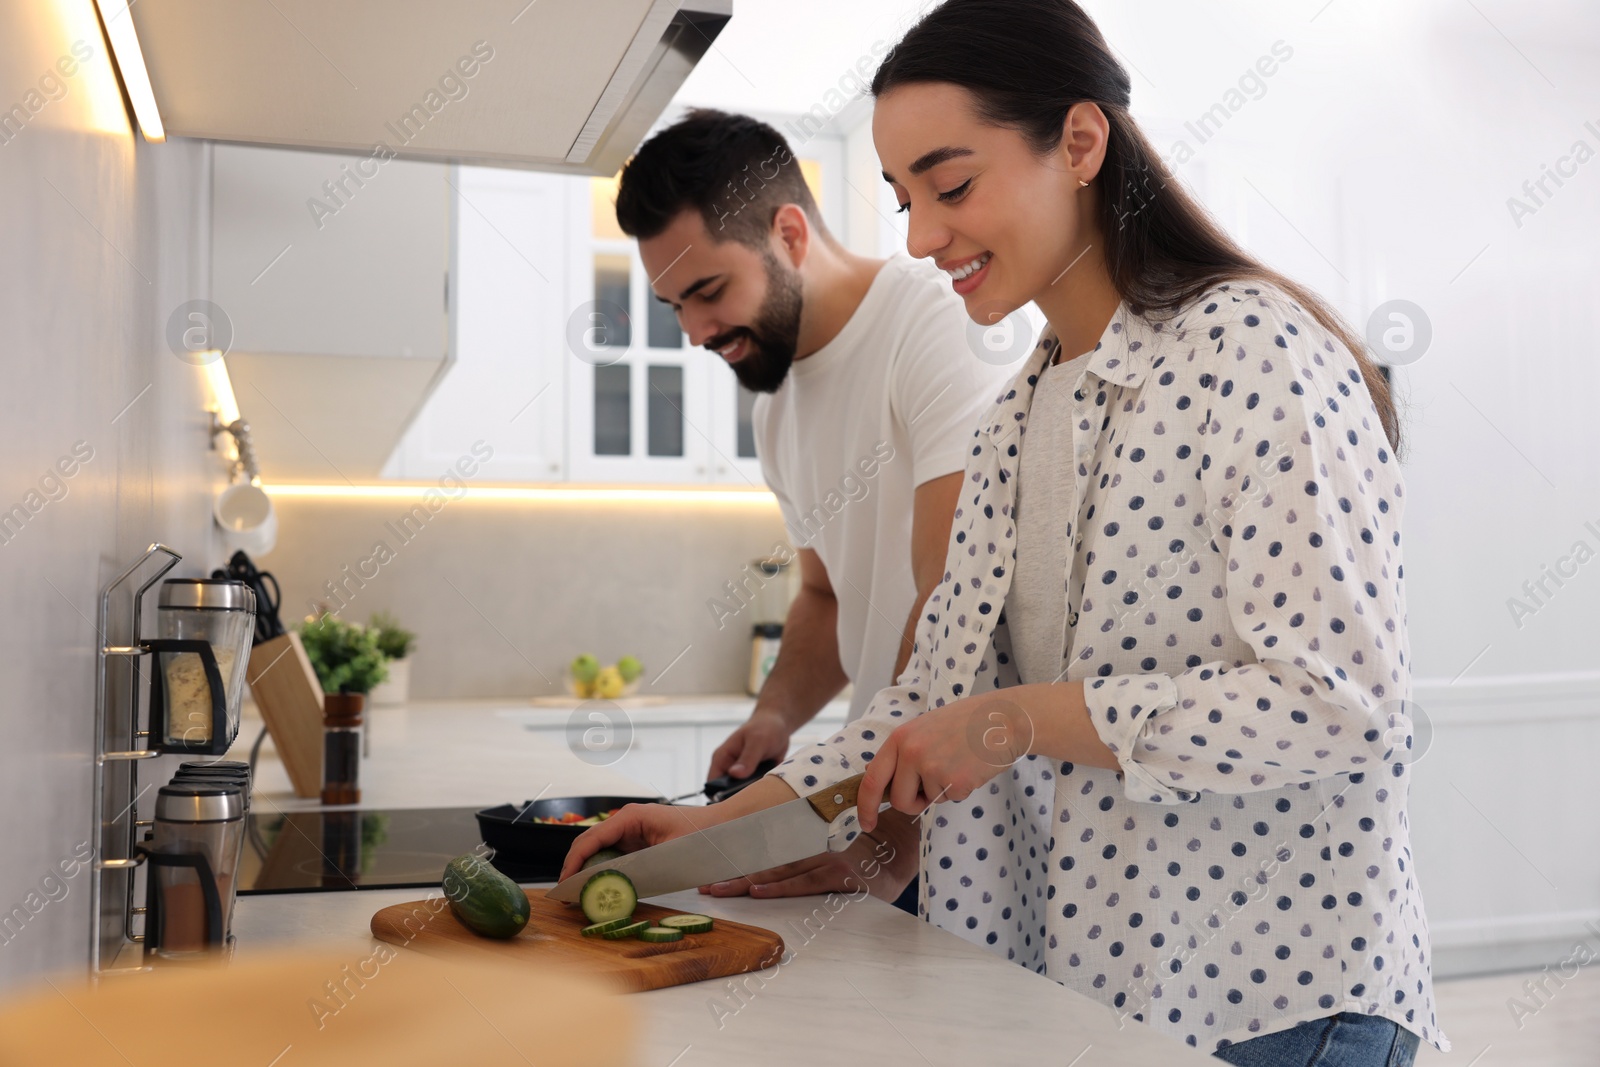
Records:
x=660, y=933
x=608, y=895
x=484, y=900
x=689, y=924
x=629, y=930
x=601, y=928
x=600, y=857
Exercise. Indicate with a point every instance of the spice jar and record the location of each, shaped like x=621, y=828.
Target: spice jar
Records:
x=341, y=747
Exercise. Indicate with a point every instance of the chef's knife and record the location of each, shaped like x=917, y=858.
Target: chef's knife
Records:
x=793, y=831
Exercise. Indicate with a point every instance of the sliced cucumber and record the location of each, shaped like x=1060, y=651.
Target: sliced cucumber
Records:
x=628, y=930
x=660, y=933
x=689, y=924
x=600, y=928
x=608, y=895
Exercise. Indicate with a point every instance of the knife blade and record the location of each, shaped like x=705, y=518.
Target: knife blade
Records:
x=788, y=832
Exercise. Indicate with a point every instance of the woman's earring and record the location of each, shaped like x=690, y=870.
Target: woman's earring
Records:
x=1082, y=184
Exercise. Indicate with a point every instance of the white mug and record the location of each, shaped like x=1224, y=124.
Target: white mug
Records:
x=246, y=514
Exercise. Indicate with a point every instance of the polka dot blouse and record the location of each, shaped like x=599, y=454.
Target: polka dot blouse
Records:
x=1236, y=613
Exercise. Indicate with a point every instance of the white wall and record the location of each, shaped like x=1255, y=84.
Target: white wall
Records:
x=98, y=231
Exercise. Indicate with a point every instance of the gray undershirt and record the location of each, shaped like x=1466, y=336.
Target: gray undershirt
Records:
x=1046, y=502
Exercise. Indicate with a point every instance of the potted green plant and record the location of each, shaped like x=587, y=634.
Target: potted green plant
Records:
x=396, y=643
x=348, y=663
x=345, y=655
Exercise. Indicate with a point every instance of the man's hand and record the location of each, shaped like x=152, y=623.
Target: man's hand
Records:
x=764, y=736
x=885, y=866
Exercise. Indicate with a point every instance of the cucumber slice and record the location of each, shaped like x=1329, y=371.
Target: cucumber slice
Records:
x=628, y=930
x=689, y=924
x=600, y=928
x=608, y=895
x=660, y=933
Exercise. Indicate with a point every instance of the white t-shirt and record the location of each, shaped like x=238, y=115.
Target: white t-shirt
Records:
x=890, y=403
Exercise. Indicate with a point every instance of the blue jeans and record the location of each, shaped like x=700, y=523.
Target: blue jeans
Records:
x=1348, y=1039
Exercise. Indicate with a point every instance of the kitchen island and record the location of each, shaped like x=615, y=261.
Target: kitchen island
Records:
x=862, y=981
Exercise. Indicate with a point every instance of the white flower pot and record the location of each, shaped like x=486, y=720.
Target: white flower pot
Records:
x=396, y=689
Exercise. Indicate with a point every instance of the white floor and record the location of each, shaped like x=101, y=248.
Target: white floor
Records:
x=1563, y=1032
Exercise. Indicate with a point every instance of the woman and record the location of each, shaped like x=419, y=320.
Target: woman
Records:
x=1151, y=705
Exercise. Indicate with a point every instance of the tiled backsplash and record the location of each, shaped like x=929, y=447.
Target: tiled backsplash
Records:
x=502, y=594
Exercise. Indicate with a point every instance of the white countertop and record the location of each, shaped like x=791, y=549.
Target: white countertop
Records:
x=868, y=983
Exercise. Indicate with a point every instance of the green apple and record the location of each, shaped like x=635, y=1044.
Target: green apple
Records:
x=584, y=669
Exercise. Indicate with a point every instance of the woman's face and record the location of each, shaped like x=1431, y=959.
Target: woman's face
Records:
x=1004, y=222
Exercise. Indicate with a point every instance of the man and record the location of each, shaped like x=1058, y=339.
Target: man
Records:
x=870, y=393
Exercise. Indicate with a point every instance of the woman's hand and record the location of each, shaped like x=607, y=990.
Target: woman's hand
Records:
x=639, y=826
x=944, y=754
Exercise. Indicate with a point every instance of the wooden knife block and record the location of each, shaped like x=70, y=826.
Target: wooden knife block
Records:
x=286, y=690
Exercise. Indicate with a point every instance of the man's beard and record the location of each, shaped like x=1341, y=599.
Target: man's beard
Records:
x=774, y=334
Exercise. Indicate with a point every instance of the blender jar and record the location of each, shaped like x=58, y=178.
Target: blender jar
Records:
x=193, y=858
x=220, y=613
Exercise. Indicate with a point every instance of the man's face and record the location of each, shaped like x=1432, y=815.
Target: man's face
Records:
x=740, y=302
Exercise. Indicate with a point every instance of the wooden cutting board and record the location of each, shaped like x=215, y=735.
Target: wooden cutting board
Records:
x=553, y=938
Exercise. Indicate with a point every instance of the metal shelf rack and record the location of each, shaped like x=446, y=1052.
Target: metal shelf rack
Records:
x=116, y=777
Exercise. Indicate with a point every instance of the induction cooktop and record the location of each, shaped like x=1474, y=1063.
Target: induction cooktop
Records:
x=322, y=851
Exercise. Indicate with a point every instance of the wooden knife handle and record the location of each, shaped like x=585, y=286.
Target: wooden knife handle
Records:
x=837, y=798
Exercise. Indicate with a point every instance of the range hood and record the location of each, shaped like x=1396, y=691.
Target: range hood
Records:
x=559, y=85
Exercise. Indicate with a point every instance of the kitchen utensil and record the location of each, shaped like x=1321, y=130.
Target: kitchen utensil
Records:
x=268, y=596
x=724, y=786
x=193, y=857
x=200, y=662
x=757, y=842
x=552, y=938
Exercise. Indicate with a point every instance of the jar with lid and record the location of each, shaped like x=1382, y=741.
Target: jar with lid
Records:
x=341, y=747
x=202, y=656
x=193, y=858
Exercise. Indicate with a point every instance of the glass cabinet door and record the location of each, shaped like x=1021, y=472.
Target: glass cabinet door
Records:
x=733, y=459
x=644, y=407
x=640, y=410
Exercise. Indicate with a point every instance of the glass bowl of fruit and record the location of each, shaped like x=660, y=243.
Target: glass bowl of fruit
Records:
x=587, y=679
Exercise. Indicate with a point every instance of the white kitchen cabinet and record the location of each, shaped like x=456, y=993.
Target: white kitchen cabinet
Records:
x=330, y=295
x=327, y=254
x=672, y=744
x=566, y=364
x=507, y=387
x=638, y=405
x=662, y=759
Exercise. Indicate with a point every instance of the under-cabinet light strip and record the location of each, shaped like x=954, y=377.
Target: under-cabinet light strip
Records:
x=118, y=21
x=543, y=494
